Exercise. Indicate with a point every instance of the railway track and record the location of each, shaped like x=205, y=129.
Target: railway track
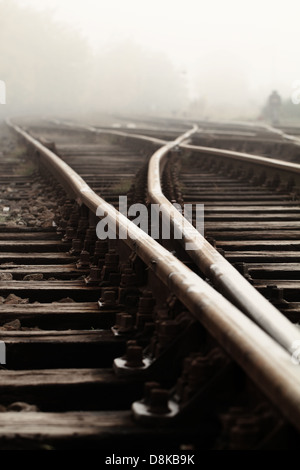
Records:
x=118, y=344
x=252, y=218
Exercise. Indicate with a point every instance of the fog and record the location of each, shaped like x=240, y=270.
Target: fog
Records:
x=214, y=60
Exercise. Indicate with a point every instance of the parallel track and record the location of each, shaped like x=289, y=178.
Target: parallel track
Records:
x=226, y=371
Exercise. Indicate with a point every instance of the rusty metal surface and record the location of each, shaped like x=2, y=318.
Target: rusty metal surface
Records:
x=211, y=262
x=263, y=359
x=289, y=167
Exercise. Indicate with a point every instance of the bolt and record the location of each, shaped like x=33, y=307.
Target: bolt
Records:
x=134, y=355
x=83, y=223
x=198, y=373
x=128, y=278
x=124, y=322
x=111, y=258
x=146, y=302
x=63, y=223
x=110, y=272
x=108, y=299
x=101, y=247
x=94, y=276
x=84, y=261
x=147, y=390
x=76, y=247
x=73, y=220
x=69, y=235
x=159, y=401
x=167, y=331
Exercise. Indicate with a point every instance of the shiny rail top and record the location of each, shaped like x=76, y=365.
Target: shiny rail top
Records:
x=263, y=358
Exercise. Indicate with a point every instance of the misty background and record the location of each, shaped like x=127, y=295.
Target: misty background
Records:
x=201, y=59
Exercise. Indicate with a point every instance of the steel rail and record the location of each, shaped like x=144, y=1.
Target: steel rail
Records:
x=210, y=261
x=96, y=130
x=242, y=156
x=255, y=127
x=282, y=134
x=224, y=276
x=264, y=360
x=293, y=169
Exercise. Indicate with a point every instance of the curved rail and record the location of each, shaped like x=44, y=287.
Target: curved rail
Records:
x=153, y=140
x=292, y=169
x=263, y=359
x=251, y=126
x=210, y=261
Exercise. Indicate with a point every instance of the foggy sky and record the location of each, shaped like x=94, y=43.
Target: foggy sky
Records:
x=229, y=55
